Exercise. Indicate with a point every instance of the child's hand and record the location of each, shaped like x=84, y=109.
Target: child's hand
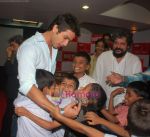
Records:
x=92, y=118
x=72, y=110
x=21, y=111
x=117, y=91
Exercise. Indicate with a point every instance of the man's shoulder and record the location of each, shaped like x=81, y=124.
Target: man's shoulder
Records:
x=132, y=56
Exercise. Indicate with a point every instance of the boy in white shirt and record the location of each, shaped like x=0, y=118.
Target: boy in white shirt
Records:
x=35, y=121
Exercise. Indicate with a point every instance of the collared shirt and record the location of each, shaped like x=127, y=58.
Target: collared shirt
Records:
x=107, y=63
x=34, y=54
x=85, y=80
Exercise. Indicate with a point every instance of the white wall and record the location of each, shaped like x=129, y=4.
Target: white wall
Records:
x=142, y=36
x=5, y=34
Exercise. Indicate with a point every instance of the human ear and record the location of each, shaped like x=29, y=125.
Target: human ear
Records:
x=55, y=29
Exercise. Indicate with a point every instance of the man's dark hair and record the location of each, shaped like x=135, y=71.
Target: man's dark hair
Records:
x=44, y=78
x=66, y=21
x=17, y=39
x=140, y=88
x=139, y=118
x=84, y=55
x=128, y=37
x=71, y=77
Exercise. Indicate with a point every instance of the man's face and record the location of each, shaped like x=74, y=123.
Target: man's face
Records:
x=120, y=47
x=61, y=39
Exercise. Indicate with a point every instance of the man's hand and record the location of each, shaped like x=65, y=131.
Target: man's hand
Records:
x=9, y=51
x=56, y=113
x=114, y=78
x=72, y=110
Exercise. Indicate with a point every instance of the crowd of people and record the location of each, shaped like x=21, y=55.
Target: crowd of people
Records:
x=106, y=95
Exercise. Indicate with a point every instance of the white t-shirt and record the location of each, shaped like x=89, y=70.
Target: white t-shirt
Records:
x=85, y=80
x=27, y=128
x=107, y=63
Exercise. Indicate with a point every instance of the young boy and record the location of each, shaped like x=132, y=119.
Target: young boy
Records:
x=81, y=64
x=138, y=121
x=35, y=116
x=118, y=114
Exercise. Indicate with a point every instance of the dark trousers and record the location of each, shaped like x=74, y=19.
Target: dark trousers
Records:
x=6, y=126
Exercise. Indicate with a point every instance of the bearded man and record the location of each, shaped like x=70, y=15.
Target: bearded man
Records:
x=118, y=60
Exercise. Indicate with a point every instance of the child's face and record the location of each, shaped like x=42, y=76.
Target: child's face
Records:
x=80, y=65
x=131, y=97
x=68, y=85
x=83, y=95
x=51, y=90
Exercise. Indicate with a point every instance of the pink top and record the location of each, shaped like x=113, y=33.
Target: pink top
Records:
x=122, y=112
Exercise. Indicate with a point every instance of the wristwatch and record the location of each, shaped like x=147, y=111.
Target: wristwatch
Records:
x=62, y=110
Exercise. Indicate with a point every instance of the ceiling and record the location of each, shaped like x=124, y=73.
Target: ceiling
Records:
x=126, y=12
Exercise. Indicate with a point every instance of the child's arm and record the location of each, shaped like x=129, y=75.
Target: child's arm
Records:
x=109, y=116
x=94, y=119
x=75, y=125
x=111, y=108
x=21, y=111
x=110, y=113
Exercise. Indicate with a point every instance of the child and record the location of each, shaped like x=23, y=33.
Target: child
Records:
x=81, y=64
x=27, y=128
x=95, y=101
x=135, y=91
x=139, y=118
x=46, y=83
x=138, y=122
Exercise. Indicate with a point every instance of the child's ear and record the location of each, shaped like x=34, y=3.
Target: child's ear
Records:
x=87, y=66
x=45, y=88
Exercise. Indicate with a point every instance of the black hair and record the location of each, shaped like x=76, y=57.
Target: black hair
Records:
x=84, y=55
x=66, y=21
x=128, y=37
x=44, y=78
x=98, y=97
x=106, y=47
x=107, y=34
x=139, y=118
x=140, y=88
x=71, y=77
x=17, y=39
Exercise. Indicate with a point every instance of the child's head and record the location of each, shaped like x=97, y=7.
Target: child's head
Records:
x=139, y=118
x=96, y=97
x=136, y=90
x=69, y=83
x=45, y=81
x=81, y=62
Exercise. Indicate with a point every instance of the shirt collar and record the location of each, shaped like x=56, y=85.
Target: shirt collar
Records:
x=39, y=37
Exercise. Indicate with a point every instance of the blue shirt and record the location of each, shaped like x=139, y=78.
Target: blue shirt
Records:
x=145, y=76
x=34, y=54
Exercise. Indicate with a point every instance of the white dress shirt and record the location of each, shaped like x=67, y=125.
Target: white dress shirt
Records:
x=34, y=54
x=107, y=63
